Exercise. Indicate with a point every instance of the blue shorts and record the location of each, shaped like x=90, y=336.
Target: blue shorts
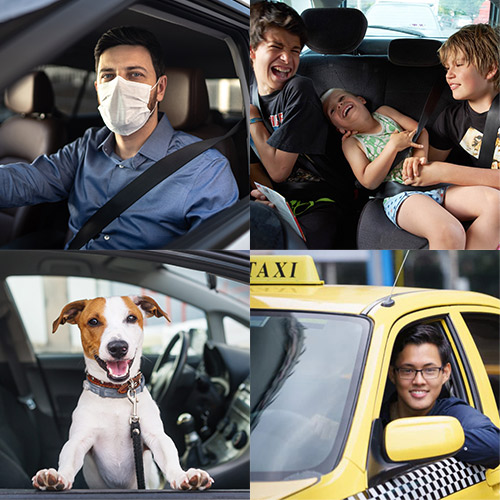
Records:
x=392, y=204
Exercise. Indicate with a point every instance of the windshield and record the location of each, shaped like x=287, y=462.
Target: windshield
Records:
x=305, y=370
x=402, y=18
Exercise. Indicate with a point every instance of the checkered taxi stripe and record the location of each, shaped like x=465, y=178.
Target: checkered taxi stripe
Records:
x=430, y=482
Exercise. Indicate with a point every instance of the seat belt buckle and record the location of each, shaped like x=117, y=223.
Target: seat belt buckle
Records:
x=28, y=401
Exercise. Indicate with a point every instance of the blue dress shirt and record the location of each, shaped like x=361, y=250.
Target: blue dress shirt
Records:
x=89, y=173
x=482, y=437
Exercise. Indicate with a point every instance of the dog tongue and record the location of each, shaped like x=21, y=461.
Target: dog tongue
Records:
x=117, y=368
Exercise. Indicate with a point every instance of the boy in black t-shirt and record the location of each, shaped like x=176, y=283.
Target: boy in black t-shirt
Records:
x=290, y=103
x=471, y=59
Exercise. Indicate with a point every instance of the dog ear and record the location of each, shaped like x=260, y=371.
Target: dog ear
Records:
x=149, y=306
x=69, y=314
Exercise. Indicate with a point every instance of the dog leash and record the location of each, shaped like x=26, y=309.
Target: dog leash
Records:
x=135, y=434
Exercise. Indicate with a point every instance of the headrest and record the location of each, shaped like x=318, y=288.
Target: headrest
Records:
x=31, y=94
x=419, y=52
x=334, y=31
x=186, y=98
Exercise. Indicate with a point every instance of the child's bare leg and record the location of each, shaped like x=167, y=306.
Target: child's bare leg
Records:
x=421, y=215
x=481, y=203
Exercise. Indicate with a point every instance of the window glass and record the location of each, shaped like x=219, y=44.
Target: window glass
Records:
x=233, y=289
x=224, y=94
x=236, y=333
x=399, y=18
x=68, y=83
x=428, y=18
x=305, y=371
x=40, y=299
x=485, y=330
x=4, y=112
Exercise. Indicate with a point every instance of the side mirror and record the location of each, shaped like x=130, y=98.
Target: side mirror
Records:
x=415, y=438
x=493, y=479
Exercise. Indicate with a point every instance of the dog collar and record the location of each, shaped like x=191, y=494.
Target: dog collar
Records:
x=108, y=390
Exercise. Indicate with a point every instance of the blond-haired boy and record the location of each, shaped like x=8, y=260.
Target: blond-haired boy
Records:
x=471, y=59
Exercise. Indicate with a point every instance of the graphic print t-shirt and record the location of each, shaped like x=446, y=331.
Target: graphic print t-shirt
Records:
x=296, y=115
x=460, y=125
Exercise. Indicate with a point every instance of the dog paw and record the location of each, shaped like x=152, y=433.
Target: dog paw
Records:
x=192, y=479
x=50, y=479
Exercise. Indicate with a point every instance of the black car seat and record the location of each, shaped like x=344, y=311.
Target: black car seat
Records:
x=410, y=60
x=187, y=107
x=402, y=78
x=268, y=230
x=24, y=446
x=31, y=132
x=19, y=443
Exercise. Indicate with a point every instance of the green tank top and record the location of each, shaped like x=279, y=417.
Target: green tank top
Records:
x=373, y=144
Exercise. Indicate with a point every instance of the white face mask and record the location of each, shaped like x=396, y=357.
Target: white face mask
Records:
x=124, y=104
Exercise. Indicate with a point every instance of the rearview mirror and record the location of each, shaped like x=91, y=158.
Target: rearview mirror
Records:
x=423, y=437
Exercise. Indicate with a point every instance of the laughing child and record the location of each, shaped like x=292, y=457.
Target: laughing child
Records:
x=435, y=214
x=470, y=57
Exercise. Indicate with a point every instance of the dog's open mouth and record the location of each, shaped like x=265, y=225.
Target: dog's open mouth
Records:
x=117, y=370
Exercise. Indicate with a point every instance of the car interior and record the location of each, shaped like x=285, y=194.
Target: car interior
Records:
x=55, y=103
x=199, y=379
x=401, y=78
x=398, y=68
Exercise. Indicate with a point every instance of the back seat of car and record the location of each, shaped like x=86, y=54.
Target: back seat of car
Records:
x=401, y=78
x=28, y=443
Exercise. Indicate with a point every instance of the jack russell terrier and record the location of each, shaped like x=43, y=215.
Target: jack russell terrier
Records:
x=100, y=434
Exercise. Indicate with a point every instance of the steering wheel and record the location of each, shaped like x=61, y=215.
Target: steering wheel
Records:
x=166, y=376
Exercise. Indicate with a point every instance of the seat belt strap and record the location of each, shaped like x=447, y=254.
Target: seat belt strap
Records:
x=141, y=185
x=490, y=134
x=254, y=99
x=25, y=395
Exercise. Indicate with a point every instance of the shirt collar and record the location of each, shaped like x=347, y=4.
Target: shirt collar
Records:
x=156, y=145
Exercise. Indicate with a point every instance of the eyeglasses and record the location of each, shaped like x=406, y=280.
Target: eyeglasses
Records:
x=411, y=373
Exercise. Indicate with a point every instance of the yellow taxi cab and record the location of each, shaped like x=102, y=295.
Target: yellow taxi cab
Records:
x=319, y=362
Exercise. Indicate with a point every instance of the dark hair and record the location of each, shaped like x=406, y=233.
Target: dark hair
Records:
x=131, y=35
x=422, y=334
x=264, y=15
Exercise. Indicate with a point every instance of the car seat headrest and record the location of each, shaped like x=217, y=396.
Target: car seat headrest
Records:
x=334, y=31
x=186, y=98
x=31, y=94
x=419, y=52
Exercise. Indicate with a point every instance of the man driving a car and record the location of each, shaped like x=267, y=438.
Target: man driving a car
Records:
x=130, y=84
x=420, y=366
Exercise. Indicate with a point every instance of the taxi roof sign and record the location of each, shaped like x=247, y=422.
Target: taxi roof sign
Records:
x=283, y=270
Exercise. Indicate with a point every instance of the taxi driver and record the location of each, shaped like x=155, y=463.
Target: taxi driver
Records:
x=420, y=366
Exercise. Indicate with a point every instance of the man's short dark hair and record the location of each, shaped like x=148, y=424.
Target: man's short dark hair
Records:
x=131, y=35
x=422, y=334
x=264, y=15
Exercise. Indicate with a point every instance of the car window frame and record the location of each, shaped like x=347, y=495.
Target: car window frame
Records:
x=352, y=401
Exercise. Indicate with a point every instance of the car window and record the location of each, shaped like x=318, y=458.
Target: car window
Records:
x=423, y=18
x=238, y=291
x=237, y=334
x=74, y=90
x=318, y=356
x=484, y=329
x=40, y=299
x=417, y=17
x=455, y=386
x=224, y=94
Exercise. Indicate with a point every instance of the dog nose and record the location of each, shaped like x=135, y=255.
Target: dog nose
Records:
x=118, y=348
